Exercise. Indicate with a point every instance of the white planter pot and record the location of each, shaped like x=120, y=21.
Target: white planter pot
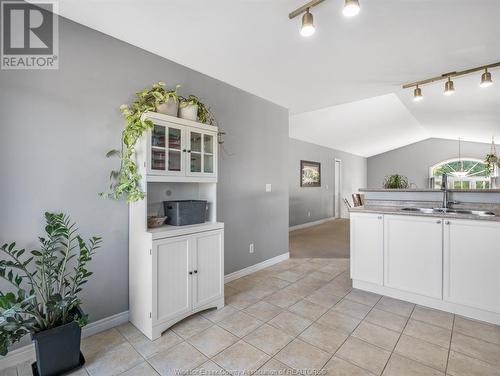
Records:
x=168, y=108
x=189, y=112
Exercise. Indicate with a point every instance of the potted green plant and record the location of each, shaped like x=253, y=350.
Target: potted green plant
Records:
x=44, y=302
x=170, y=98
x=491, y=160
x=188, y=108
x=396, y=181
x=192, y=108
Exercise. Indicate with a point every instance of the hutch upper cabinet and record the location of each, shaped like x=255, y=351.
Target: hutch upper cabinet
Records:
x=176, y=149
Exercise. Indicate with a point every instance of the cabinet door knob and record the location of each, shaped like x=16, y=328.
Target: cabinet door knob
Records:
x=448, y=222
x=196, y=272
x=438, y=222
x=190, y=273
x=184, y=150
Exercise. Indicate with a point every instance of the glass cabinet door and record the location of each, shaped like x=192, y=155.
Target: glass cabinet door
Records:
x=195, y=152
x=158, y=148
x=166, y=150
x=174, y=149
x=208, y=154
x=201, y=153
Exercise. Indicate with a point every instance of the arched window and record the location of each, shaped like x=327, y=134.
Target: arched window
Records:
x=468, y=173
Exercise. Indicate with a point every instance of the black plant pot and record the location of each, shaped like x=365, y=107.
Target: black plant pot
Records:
x=58, y=350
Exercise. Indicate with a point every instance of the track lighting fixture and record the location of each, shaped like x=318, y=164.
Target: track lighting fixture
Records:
x=351, y=8
x=307, y=24
x=486, y=79
x=449, y=87
x=417, y=94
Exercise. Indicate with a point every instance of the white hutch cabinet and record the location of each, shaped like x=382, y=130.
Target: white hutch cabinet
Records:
x=175, y=271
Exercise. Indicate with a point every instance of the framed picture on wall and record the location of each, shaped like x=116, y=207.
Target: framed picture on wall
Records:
x=310, y=174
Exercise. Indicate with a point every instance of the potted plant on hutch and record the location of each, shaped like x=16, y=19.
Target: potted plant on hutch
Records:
x=191, y=108
x=45, y=302
x=169, y=99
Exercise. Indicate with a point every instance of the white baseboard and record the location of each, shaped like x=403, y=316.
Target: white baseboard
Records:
x=310, y=224
x=27, y=353
x=252, y=269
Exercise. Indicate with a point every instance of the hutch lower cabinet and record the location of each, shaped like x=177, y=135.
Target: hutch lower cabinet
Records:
x=182, y=275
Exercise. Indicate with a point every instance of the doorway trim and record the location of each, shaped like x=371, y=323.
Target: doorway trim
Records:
x=337, y=188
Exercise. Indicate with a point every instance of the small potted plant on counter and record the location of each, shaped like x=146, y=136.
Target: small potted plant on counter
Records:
x=44, y=302
x=396, y=181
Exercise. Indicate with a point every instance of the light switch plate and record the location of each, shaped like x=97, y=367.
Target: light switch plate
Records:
x=268, y=188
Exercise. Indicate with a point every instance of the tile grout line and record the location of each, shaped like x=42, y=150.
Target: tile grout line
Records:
x=349, y=336
x=399, y=338
x=449, y=349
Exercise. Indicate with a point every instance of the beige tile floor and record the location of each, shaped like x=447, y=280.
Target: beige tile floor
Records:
x=301, y=314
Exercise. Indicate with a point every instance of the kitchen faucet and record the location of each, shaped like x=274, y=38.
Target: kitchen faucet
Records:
x=444, y=188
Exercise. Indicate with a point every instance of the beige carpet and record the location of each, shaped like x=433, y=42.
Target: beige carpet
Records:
x=327, y=240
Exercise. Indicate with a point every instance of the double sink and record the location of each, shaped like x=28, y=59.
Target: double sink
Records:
x=478, y=213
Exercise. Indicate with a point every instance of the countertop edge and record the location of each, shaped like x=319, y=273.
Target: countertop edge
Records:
x=429, y=190
x=395, y=211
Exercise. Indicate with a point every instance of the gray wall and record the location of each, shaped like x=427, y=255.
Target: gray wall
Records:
x=414, y=160
x=319, y=200
x=56, y=127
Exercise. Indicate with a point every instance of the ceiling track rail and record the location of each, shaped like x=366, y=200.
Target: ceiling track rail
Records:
x=446, y=76
x=304, y=8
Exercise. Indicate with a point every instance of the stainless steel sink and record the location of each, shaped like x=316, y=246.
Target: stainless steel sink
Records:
x=479, y=213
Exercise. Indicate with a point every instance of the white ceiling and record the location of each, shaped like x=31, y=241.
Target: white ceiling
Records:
x=360, y=127
x=252, y=45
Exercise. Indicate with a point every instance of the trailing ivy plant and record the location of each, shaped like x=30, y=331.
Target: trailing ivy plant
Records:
x=46, y=282
x=125, y=182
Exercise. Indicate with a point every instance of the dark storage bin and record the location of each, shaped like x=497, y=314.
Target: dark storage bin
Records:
x=185, y=212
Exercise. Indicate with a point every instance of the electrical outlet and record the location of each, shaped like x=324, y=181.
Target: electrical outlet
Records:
x=269, y=188
x=308, y=213
x=250, y=248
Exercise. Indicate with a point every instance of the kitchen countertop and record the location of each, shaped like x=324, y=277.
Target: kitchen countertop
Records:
x=429, y=190
x=396, y=210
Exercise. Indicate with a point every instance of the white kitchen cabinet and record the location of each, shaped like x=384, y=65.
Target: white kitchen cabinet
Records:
x=367, y=247
x=472, y=263
x=413, y=254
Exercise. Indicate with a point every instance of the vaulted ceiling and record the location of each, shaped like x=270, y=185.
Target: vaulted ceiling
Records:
x=344, y=83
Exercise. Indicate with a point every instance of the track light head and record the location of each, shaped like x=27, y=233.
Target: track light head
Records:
x=351, y=8
x=417, y=94
x=486, y=79
x=308, y=28
x=449, y=87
